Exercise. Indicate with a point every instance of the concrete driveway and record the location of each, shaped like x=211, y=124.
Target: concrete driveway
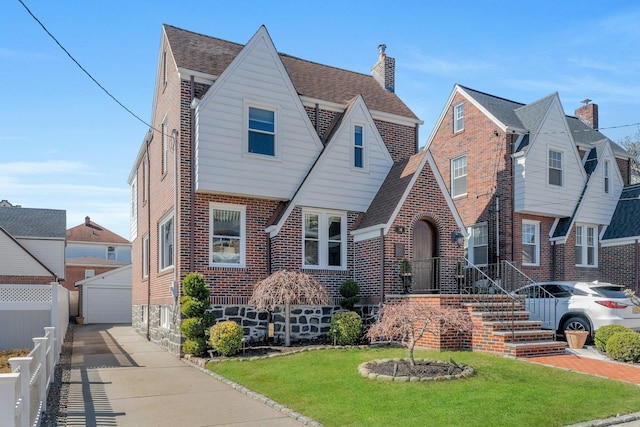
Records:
x=118, y=378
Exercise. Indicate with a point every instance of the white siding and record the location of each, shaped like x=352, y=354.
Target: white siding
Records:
x=106, y=298
x=49, y=252
x=598, y=206
x=133, y=209
x=222, y=164
x=532, y=191
x=16, y=262
x=335, y=184
x=97, y=250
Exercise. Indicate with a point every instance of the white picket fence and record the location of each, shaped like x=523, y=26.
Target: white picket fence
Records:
x=23, y=392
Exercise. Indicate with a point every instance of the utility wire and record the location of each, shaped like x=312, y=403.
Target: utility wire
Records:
x=82, y=68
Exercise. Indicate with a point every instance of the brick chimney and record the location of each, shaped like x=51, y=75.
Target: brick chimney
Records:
x=384, y=71
x=588, y=114
x=87, y=220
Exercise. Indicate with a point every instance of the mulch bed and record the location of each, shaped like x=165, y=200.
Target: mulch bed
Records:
x=421, y=369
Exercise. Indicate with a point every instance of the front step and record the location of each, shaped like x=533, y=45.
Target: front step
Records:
x=501, y=327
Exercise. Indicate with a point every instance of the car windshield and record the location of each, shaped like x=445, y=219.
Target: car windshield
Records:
x=610, y=291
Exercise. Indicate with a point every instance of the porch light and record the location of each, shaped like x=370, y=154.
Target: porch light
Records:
x=457, y=238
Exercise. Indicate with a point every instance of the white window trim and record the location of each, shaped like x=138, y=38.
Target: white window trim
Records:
x=161, y=249
x=453, y=178
x=457, y=119
x=145, y=255
x=323, y=242
x=584, y=248
x=364, y=148
x=165, y=317
x=537, y=227
x=562, y=167
x=471, y=244
x=276, y=129
x=243, y=233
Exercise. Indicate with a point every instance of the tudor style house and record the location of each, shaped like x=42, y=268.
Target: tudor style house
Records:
x=536, y=187
x=259, y=161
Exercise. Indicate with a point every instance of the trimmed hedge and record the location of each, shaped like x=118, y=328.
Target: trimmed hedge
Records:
x=624, y=347
x=226, y=337
x=346, y=328
x=604, y=333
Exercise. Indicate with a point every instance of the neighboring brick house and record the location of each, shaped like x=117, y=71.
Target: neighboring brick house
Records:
x=259, y=161
x=533, y=185
x=91, y=251
x=32, y=243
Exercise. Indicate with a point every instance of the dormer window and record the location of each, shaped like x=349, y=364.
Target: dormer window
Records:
x=555, y=168
x=458, y=118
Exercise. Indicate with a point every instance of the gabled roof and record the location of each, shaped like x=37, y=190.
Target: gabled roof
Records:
x=625, y=221
x=210, y=55
x=30, y=222
x=125, y=269
x=528, y=117
x=90, y=231
x=25, y=252
x=391, y=191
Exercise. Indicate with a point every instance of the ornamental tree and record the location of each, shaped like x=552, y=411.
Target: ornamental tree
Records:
x=288, y=288
x=408, y=321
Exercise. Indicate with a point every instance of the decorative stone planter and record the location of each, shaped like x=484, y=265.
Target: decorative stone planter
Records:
x=576, y=339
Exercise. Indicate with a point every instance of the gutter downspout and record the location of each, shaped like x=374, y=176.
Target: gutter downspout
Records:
x=382, y=265
x=637, y=265
x=148, y=141
x=192, y=173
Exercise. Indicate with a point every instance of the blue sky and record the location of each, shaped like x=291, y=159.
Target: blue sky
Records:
x=68, y=145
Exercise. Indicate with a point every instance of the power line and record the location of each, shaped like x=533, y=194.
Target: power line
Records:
x=82, y=68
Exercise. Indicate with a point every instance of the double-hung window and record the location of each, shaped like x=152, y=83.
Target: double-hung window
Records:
x=606, y=175
x=530, y=242
x=458, y=117
x=262, y=131
x=227, y=235
x=324, y=240
x=358, y=147
x=145, y=255
x=166, y=243
x=111, y=252
x=459, y=176
x=586, y=246
x=165, y=146
x=479, y=244
x=555, y=168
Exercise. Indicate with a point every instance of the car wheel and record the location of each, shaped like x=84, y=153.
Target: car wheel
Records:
x=576, y=324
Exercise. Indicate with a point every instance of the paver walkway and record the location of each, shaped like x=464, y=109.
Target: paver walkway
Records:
x=589, y=365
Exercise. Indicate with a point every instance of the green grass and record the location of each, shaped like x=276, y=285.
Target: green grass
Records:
x=325, y=385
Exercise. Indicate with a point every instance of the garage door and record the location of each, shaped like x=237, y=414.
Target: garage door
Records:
x=107, y=305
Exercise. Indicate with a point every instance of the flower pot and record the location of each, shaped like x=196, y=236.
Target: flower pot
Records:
x=576, y=339
x=79, y=320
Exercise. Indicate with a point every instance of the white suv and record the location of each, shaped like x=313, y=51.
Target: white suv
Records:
x=583, y=306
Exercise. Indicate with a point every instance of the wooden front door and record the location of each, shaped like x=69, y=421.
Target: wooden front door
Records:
x=425, y=252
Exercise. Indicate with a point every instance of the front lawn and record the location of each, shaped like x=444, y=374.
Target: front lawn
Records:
x=325, y=385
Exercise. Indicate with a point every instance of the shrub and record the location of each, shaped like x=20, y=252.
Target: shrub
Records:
x=226, y=337
x=604, y=333
x=194, y=307
x=349, y=291
x=194, y=285
x=346, y=328
x=191, y=307
x=192, y=328
x=624, y=346
x=195, y=346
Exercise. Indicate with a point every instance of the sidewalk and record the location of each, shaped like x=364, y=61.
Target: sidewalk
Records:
x=118, y=378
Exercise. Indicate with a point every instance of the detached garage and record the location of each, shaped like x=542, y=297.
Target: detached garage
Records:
x=106, y=298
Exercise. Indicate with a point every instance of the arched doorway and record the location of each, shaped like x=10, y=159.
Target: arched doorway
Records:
x=425, y=257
